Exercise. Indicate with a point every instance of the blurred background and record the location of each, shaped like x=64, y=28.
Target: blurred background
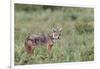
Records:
x=77, y=40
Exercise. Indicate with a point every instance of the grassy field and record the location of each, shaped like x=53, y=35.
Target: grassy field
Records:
x=77, y=40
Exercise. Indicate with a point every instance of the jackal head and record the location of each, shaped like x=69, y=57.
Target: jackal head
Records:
x=56, y=33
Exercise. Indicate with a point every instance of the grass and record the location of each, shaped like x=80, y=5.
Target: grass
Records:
x=76, y=43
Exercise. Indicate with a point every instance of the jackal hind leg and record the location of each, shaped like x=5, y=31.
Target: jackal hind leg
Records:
x=30, y=50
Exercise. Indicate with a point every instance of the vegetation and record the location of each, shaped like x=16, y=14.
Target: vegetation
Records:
x=77, y=40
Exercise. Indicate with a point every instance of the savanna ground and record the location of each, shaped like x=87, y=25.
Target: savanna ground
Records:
x=77, y=40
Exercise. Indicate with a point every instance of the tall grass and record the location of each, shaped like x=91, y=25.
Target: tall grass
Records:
x=76, y=43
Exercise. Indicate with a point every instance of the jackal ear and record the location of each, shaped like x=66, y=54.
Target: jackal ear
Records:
x=60, y=29
x=54, y=30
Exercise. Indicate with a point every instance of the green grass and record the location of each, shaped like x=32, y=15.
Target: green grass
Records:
x=77, y=40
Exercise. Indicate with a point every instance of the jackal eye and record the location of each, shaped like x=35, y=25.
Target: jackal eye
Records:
x=55, y=34
x=59, y=34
